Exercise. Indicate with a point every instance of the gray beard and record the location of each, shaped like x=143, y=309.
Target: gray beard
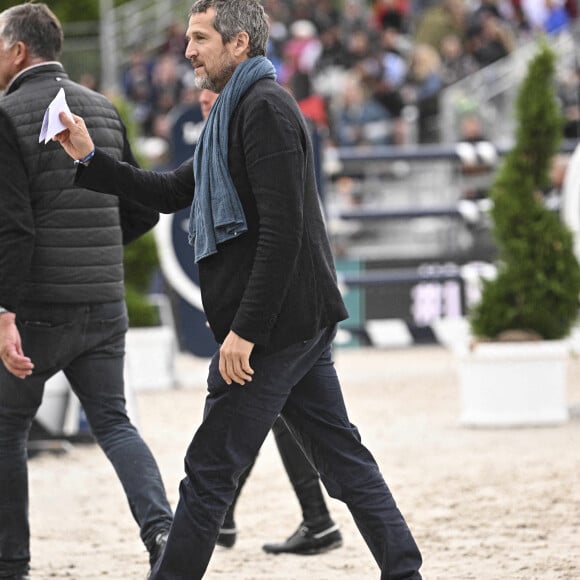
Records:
x=216, y=84
x=204, y=83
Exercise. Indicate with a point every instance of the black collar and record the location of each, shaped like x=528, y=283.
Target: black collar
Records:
x=42, y=69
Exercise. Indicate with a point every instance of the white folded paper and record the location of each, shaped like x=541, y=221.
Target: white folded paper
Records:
x=51, y=124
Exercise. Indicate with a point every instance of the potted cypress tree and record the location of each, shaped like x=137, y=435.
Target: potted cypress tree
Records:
x=514, y=372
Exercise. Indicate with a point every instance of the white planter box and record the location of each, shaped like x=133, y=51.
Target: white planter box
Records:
x=513, y=384
x=150, y=351
x=150, y=358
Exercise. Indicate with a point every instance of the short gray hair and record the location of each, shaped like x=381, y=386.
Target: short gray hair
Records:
x=36, y=26
x=235, y=16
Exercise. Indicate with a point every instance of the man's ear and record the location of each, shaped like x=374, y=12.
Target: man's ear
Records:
x=242, y=43
x=21, y=53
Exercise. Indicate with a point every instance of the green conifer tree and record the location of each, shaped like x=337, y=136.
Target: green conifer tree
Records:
x=538, y=281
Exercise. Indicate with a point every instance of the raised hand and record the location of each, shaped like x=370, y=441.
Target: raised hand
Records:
x=76, y=140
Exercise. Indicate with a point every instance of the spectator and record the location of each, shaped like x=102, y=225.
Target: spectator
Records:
x=174, y=40
x=301, y=51
x=166, y=83
x=137, y=87
x=333, y=52
x=390, y=14
x=456, y=63
x=557, y=18
x=358, y=118
x=394, y=55
x=358, y=47
x=568, y=91
x=355, y=17
x=422, y=88
x=440, y=20
x=491, y=39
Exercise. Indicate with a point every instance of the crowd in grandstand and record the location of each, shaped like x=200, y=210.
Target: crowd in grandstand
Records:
x=358, y=67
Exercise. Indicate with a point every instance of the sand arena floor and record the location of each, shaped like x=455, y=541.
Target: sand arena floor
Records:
x=482, y=504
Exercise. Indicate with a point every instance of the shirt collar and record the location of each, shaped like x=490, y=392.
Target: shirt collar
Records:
x=17, y=77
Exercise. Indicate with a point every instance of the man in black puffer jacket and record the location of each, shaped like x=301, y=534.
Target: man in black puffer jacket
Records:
x=61, y=282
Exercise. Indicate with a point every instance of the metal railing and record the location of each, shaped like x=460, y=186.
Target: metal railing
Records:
x=102, y=48
x=493, y=90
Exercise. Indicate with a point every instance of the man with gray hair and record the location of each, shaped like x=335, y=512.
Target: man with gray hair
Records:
x=269, y=290
x=61, y=283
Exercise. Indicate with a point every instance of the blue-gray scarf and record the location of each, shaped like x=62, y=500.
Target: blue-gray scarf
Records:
x=216, y=212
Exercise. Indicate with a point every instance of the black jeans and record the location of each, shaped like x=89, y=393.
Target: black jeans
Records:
x=88, y=343
x=300, y=383
x=303, y=476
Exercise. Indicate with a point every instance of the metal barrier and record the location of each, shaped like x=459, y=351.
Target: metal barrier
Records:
x=400, y=282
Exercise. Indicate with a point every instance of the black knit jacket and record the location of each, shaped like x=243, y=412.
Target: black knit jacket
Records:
x=276, y=284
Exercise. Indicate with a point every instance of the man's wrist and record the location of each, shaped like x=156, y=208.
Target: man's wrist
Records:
x=86, y=159
x=6, y=314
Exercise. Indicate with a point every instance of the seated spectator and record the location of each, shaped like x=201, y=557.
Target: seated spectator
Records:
x=333, y=52
x=440, y=20
x=355, y=16
x=534, y=12
x=422, y=87
x=491, y=39
x=136, y=85
x=391, y=14
x=568, y=92
x=552, y=193
x=358, y=119
x=456, y=63
x=394, y=55
x=301, y=51
x=359, y=47
x=166, y=83
x=557, y=18
x=175, y=42
x=478, y=155
x=384, y=74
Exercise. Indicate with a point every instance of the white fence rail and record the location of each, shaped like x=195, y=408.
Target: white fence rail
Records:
x=103, y=48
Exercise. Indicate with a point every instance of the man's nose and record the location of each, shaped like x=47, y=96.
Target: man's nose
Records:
x=190, y=52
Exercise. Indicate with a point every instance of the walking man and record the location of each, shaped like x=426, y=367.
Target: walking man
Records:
x=61, y=283
x=269, y=291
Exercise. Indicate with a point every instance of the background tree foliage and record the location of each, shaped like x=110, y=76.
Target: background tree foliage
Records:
x=141, y=259
x=68, y=10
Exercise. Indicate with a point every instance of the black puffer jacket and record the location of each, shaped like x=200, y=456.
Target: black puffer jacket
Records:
x=60, y=243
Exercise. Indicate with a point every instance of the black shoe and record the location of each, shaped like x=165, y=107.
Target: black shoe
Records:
x=227, y=536
x=157, y=548
x=307, y=541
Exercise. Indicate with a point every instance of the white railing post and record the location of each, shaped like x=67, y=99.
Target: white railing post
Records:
x=108, y=46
